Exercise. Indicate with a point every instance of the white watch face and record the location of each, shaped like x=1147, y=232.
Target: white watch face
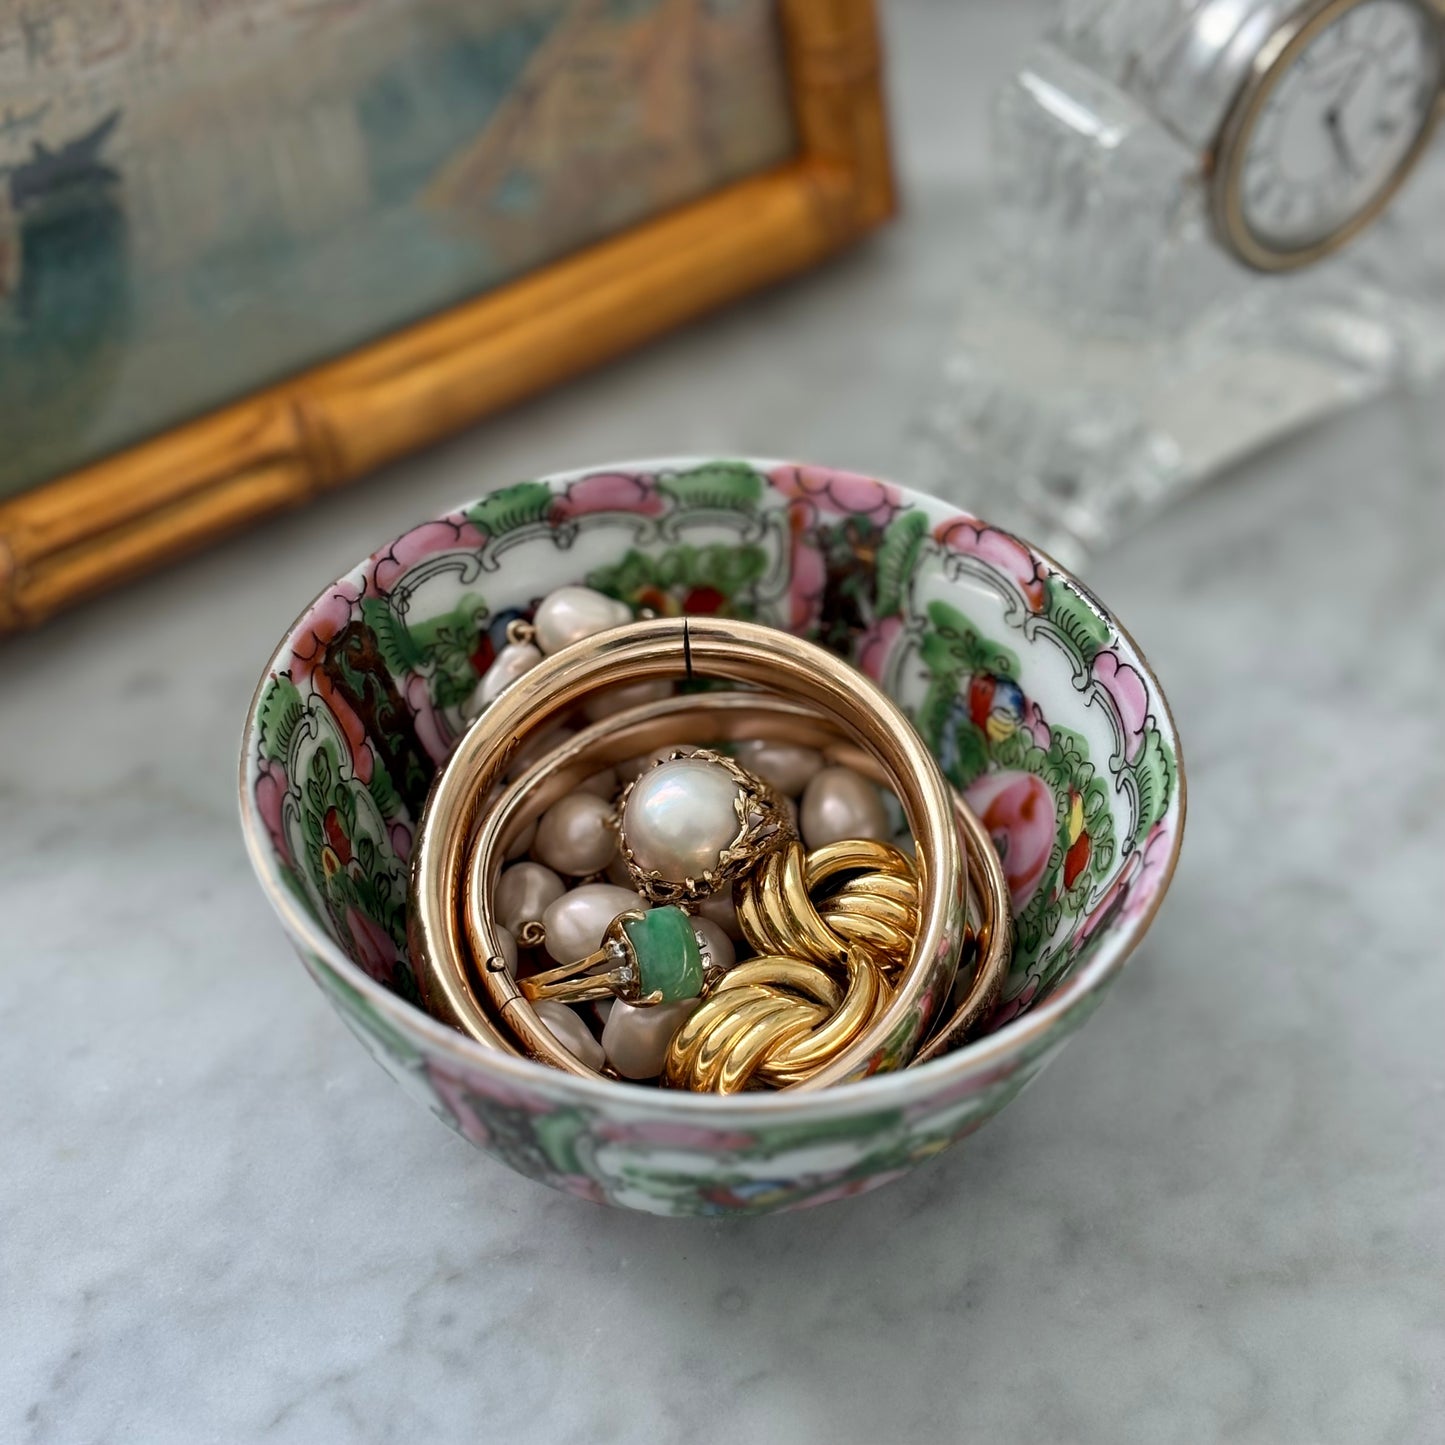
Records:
x=1338, y=124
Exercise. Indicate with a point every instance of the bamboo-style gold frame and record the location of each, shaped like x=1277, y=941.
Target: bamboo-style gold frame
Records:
x=115, y=519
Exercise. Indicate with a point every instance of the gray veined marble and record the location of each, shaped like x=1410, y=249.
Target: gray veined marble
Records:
x=1218, y=1217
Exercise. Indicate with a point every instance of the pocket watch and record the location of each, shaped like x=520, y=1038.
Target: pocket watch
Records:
x=1307, y=115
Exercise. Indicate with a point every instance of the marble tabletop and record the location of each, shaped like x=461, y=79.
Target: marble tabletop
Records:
x=1219, y=1216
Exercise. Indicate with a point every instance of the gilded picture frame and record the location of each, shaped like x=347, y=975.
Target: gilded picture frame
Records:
x=276, y=448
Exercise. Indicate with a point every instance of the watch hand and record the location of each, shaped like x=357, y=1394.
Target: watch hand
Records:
x=1343, y=153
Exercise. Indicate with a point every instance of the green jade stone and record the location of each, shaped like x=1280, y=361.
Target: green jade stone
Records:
x=669, y=960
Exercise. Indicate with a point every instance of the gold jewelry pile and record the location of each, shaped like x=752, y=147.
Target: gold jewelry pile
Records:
x=707, y=889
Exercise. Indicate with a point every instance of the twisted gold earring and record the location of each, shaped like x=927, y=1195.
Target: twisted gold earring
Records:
x=774, y=1021
x=780, y=1017
x=877, y=908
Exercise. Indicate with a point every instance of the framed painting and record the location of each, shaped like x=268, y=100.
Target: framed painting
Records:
x=251, y=249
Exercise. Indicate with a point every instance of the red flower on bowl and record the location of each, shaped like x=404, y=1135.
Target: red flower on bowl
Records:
x=1019, y=812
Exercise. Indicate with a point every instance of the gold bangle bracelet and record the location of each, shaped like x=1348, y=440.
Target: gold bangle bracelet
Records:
x=669, y=649
x=753, y=716
x=750, y=716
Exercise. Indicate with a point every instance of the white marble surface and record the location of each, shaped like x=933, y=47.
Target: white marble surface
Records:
x=1218, y=1217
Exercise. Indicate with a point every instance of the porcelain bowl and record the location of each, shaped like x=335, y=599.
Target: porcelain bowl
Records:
x=1034, y=700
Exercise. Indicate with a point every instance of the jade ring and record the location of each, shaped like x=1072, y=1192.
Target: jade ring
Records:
x=648, y=956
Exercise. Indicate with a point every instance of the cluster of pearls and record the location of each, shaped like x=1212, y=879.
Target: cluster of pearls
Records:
x=566, y=880
x=565, y=616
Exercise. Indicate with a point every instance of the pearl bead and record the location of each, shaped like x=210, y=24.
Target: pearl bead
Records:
x=575, y=835
x=571, y=613
x=635, y=1039
x=840, y=803
x=720, y=909
x=613, y=700
x=524, y=893
x=680, y=817
x=515, y=659
x=567, y=1028
x=786, y=766
x=717, y=948
x=577, y=920
x=601, y=785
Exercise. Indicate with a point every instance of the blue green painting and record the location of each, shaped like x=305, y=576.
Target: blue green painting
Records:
x=201, y=197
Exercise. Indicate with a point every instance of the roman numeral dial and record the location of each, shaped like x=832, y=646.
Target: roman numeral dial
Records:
x=1338, y=123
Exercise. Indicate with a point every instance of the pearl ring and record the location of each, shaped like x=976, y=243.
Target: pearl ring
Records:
x=693, y=823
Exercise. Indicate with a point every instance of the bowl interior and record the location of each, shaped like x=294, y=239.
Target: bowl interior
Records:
x=1033, y=701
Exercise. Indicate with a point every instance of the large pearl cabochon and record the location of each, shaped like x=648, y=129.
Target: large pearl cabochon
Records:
x=680, y=817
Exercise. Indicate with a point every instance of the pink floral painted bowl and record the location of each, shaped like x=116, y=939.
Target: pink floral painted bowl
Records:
x=1032, y=697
